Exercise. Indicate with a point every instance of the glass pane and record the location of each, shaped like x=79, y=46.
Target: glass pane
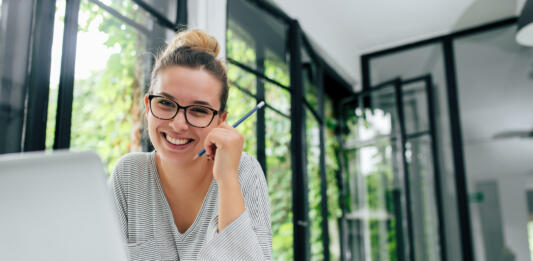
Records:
x=128, y=9
x=352, y=166
x=377, y=211
x=277, y=68
x=240, y=45
x=15, y=34
x=241, y=79
x=258, y=40
x=332, y=168
x=355, y=240
x=111, y=65
x=377, y=179
x=422, y=189
x=427, y=60
x=382, y=115
x=314, y=190
x=278, y=98
x=167, y=8
x=494, y=77
x=415, y=108
x=240, y=103
x=309, y=79
x=422, y=61
x=279, y=177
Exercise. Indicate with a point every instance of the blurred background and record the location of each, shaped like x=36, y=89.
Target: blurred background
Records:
x=393, y=130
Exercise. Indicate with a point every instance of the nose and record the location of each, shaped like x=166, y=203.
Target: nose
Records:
x=179, y=122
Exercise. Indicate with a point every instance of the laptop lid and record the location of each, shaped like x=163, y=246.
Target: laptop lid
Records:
x=57, y=206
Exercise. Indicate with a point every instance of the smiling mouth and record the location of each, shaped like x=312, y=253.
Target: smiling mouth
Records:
x=178, y=141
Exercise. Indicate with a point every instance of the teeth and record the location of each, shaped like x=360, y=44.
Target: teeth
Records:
x=176, y=141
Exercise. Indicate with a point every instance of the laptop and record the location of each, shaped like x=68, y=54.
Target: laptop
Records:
x=57, y=206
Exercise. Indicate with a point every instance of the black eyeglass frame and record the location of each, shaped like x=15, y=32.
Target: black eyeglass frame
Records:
x=151, y=96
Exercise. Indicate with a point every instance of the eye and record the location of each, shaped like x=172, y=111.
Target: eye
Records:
x=198, y=110
x=165, y=103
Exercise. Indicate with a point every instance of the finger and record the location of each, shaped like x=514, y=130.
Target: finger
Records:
x=212, y=141
x=208, y=147
x=220, y=137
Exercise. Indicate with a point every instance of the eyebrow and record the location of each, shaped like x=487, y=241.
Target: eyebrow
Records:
x=194, y=102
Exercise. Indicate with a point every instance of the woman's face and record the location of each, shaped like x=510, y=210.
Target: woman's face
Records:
x=176, y=140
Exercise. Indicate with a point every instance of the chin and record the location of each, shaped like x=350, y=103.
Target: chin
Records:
x=174, y=157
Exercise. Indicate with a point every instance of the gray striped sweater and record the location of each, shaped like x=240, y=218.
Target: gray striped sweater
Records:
x=148, y=225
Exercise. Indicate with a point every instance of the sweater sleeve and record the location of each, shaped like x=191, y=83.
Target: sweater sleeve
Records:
x=118, y=186
x=249, y=236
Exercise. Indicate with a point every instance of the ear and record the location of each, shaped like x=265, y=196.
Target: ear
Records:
x=146, y=105
x=223, y=116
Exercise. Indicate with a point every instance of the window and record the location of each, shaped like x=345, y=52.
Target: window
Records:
x=258, y=68
x=115, y=42
x=15, y=50
x=258, y=71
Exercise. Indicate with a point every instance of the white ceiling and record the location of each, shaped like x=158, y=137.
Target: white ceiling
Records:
x=342, y=30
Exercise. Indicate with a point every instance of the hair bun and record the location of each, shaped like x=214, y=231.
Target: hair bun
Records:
x=196, y=40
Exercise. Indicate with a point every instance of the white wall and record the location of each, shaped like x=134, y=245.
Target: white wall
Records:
x=209, y=16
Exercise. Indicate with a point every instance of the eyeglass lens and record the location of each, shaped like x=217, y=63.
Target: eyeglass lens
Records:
x=196, y=115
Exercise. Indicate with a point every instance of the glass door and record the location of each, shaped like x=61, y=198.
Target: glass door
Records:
x=420, y=160
x=393, y=181
x=375, y=216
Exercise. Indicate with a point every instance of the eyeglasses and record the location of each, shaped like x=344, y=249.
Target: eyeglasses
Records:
x=196, y=115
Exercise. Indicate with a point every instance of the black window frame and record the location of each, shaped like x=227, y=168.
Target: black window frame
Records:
x=297, y=40
x=446, y=41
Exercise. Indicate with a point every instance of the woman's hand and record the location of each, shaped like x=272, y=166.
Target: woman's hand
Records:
x=224, y=145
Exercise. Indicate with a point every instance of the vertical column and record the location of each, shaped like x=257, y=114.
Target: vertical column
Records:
x=181, y=15
x=457, y=146
x=323, y=180
x=300, y=203
x=39, y=78
x=260, y=96
x=436, y=166
x=66, y=79
x=342, y=183
x=409, y=211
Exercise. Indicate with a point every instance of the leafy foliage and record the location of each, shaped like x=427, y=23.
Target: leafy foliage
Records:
x=106, y=112
x=314, y=191
x=332, y=178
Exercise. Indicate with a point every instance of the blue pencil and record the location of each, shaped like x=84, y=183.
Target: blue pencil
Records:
x=257, y=107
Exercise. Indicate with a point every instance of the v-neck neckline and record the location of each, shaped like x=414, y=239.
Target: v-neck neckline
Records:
x=193, y=226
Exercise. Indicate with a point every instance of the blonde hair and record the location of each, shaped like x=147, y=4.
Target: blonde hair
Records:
x=197, y=50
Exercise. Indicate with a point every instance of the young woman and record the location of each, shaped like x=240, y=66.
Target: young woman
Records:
x=173, y=206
